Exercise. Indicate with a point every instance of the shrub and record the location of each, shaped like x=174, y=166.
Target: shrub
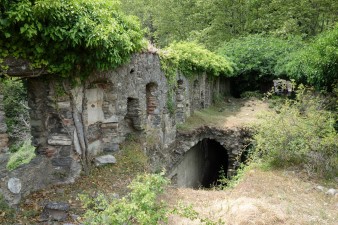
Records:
x=22, y=156
x=140, y=206
x=300, y=133
x=16, y=109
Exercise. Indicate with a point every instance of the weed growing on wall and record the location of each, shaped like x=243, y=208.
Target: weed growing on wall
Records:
x=24, y=154
x=300, y=133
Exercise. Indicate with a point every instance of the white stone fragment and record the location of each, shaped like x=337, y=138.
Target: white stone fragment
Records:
x=59, y=140
x=332, y=191
x=14, y=185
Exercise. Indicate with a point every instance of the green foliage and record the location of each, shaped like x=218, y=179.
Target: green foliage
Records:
x=300, y=133
x=68, y=37
x=212, y=22
x=317, y=63
x=16, y=109
x=258, y=60
x=258, y=54
x=191, y=59
x=22, y=156
x=140, y=206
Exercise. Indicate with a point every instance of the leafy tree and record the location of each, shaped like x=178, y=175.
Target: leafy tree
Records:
x=68, y=37
x=212, y=22
x=317, y=63
x=258, y=59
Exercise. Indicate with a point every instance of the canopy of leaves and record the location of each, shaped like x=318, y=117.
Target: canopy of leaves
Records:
x=68, y=36
x=212, y=22
x=191, y=58
x=257, y=54
x=317, y=63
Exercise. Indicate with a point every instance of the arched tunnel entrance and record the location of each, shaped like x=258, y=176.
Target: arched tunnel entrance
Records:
x=202, y=164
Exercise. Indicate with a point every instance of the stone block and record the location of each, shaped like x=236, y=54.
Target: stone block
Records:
x=55, y=211
x=112, y=148
x=62, y=161
x=104, y=160
x=59, y=140
x=49, y=152
x=113, y=125
x=63, y=105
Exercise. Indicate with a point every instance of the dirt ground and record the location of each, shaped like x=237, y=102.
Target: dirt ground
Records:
x=262, y=197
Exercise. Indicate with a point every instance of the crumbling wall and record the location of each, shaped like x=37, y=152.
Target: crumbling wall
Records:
x=100, y=114
x=3, y=128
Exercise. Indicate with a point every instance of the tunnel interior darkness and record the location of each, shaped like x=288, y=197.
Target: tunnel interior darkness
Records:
x=216, y=159
x=201, y=165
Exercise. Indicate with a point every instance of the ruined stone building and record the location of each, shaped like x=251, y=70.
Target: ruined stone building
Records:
x=110, y=106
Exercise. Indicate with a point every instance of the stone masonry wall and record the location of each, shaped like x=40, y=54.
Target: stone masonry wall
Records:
x=111, y=105
x=3, y=129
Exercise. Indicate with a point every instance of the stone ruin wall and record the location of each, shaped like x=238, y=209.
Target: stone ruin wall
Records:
x=131, y=100
x=3, y=128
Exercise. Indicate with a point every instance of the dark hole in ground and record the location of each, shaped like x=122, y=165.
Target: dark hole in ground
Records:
x=202, y=164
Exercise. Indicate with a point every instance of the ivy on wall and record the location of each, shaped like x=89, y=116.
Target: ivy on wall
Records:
x=191, y=59
x=68, y=37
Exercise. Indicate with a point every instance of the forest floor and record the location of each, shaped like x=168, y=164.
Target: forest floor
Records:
x=261, y=197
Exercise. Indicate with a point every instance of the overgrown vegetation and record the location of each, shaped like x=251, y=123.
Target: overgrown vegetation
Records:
x=213, y=22
x=68, y=38
x=16, y=110
x=257, y=59
x=317, y=63
x=140, y=206
x=24, y=154
x=190, y=59
x=300, y=133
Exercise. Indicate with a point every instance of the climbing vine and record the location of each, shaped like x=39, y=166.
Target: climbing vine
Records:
x=190, y=59
x=68, y=37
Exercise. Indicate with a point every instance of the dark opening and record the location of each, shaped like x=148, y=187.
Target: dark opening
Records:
x=216, y=160
x=202, y=164
x=133, y=116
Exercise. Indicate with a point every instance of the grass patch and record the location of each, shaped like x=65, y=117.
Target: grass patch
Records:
x=22, y=156
x=212, y=116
